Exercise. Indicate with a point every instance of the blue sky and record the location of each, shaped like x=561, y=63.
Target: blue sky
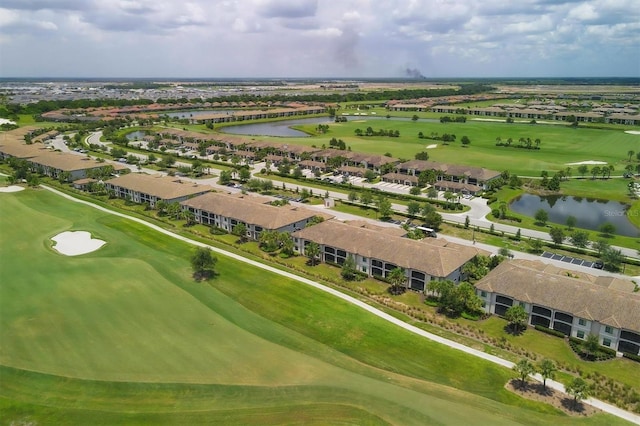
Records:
x=319, y=38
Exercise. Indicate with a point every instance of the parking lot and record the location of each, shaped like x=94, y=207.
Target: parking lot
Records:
x=572, y=260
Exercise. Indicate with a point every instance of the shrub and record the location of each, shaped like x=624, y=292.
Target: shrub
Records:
x=631, y=356
x=550, y=331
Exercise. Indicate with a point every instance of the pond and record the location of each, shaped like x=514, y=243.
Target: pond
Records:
x=136, y=136
x=283, y=128
x=276, y=128
x=589, y=213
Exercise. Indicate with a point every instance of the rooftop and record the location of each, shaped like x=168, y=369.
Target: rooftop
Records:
x=584, y=295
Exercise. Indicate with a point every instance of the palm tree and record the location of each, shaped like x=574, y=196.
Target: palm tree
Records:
x=524, y=368
x=630, y=154
x=579, y=389
x=312, y=251
x=286, y=243
x=547, y=370
x=397, y=278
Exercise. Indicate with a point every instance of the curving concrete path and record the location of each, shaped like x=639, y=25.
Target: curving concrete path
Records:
x=608, y=408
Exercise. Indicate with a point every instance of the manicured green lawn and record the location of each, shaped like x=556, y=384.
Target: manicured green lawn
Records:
x=559, y=144
x=123, y=335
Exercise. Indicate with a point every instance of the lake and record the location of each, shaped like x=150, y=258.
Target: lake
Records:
x=283, y=128
x=276, y=128
x=136, y=136
x=590, y=213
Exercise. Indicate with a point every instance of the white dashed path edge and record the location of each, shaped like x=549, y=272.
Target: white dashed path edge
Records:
x=608, y=408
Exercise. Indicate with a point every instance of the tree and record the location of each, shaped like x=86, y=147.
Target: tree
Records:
x=202, y=262
x=366, y=198
x=524, y=367
x=580, y=238
x=465, y=140
x=433, y=219
x=353, y=196
x=174, y=209
x=240, y=231
x=578, y=389
x=189, y=217
x=517, y=318
x=384, y=207
x=536, y=245
x=595, y=171
x=415, y=190
x=413, y=208
x=467, y=221
x=547, y=370
x=607, y=229
x=269, y=240
x=583, y=169
x=630, y=153
x=541, y=217
x=571, y=222
x=414, y=118
x=398, y=280
x=312, y=251
x=348, y=271
x=611, y=259
x=423, y=155
x=557, y=235
x=286, y=243
x=601, y=246
x=225, y=177
x=244, y=174
x=370, y=175
x=591, y=344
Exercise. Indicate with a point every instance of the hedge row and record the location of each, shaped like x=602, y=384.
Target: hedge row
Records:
x=550, y=331
x=632, y=357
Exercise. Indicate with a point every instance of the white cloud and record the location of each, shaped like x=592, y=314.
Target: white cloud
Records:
x=438, y=38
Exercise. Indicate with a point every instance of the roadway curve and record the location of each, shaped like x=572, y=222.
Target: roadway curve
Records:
x=608, y=408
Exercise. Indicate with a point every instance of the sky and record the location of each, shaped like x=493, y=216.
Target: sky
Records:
x=319, y=38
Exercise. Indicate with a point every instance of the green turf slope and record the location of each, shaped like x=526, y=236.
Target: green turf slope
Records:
x=124, y=336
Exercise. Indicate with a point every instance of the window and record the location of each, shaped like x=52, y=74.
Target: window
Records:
x=580, y=334
x=582, y=322
x=608, y=330
x=524, y=305
x=483, y=293
x=606, y=342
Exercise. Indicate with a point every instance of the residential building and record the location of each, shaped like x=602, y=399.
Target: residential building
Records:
x=377, y=252
x=576, y=304
x=142, y=188
x=226, y=211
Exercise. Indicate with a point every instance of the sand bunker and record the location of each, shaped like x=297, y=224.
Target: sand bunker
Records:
x=12, y=188
x=74, y=243
x=588, y=162
x=435, y=145
x=633, y=132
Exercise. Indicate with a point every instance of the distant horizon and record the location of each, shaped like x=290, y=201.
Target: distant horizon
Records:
x=315, y=79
